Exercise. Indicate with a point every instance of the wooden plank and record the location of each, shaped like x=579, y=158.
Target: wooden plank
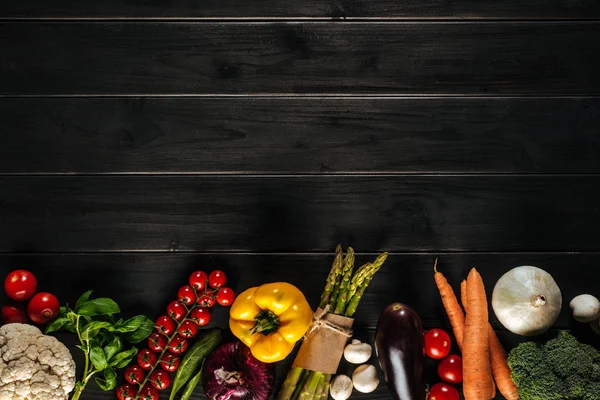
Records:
x=255, y=58
x=297, y=135
x=535, y=9
x=146, y=283
x=282, y=213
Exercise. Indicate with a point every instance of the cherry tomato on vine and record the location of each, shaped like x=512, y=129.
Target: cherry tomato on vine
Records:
x=207, y=300
x=134, y=374
x=225, y=296
x=157, y=342
x=201, y=316
x=148, y=393
x=169, y=362
x=437, y=344
x=216, y=279
x=11, y=314
x=126, y=392
x=198, y=280
x=176, y=310
x=20, y=285
x=165, y=325
x=186, y=295
x=43, y=307
x=443, y=391
x=160, y=379
x=188, y=329
x=178, y=344
x=146, y=359
x=450, y=369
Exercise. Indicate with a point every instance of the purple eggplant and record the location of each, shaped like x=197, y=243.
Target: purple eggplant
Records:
x=399, y=348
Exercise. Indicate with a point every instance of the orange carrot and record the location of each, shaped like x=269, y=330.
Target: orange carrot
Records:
x=500, y=368
x=477, y=372
x=455, y=313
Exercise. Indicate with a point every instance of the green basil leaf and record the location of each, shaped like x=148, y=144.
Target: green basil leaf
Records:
x=82, y=300
x=131, y=324
x=110, y=380
x=143, y=330
x=112, y=348
x=57, y=324
x=72, y=316
x=97, y=357
x=189, y=387
x=120, y=360
x=90, y=330
x=101, y=306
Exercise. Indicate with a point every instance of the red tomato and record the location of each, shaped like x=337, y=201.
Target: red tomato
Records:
x=134, y=374
x=178, y=344
x=169, y=362
x=216, y=279
x=187, y=329
x=186, y=295
x=148, y=393
x=157, y=342
x=43, y=307
x=165, y=325
x=20, y=285
x=443, y=391
x=11, y=314
x=207, y=300
x=201, y=316
x=225, y=296
x=437, y=344
x=198, y=280
x=450, y=369
x=146, y=359
x=176, y=310
x=160, y=379
x=126, y=392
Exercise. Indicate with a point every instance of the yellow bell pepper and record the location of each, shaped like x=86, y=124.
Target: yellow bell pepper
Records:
x=270, y=319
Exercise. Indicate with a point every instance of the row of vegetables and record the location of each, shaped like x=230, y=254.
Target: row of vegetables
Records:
x=177, y=352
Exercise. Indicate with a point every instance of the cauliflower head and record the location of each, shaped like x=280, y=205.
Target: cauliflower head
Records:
x=34, y=366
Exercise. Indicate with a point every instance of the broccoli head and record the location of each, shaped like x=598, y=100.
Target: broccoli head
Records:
x=561, y=369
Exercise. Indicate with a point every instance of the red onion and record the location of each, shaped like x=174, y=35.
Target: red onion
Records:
x=231, y=372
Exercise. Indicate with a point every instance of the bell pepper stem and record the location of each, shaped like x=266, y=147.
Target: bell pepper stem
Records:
x=266, y=322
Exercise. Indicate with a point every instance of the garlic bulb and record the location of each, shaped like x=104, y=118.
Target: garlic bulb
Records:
x=526, y=300
x=585, y=308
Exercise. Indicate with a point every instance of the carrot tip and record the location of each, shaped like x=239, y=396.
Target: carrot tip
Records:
x=435, y=265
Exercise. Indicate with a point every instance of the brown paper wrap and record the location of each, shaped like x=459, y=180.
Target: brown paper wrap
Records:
x=323, y=346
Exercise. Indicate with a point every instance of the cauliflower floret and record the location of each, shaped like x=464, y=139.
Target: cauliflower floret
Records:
x=34, y=366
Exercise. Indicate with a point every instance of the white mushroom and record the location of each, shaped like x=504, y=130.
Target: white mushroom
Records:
x=357, y=352
x=585, y=308
x=365, y=378
x=341, y=387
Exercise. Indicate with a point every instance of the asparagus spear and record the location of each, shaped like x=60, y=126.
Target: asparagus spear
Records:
x=347, y=274
x=289, y=385
x=333, y=278
x=310, y=387
x=320, y=387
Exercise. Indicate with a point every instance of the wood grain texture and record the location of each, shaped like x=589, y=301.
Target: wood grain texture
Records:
x=397, y=213
x=298, y=135
x=251, y=58
x=146, y=283
x=335, y=9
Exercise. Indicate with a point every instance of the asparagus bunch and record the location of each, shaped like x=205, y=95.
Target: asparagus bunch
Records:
x=343, y=290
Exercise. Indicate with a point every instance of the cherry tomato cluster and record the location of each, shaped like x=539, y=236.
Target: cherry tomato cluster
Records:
x=184, y=316
x=437, y=346
x=21, y=286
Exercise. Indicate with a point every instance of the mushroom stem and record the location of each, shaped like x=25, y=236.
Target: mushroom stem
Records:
x=538, y=301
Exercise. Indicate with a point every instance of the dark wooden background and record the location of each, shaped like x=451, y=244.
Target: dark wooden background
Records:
x=143, y=139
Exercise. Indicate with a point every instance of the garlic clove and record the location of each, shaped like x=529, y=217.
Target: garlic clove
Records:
x=365, y=378
x=358, y=353
x=341, y=387
x=585, y=308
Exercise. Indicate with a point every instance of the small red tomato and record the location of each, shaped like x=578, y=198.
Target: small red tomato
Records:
x=198, y=280
x=177, y=345
x=160, y=379
x=437, y=344
x=148, y=393
x=126, y=392
x=216, y=279
x=186, y=295
x=443, y=391
x=157, y=342
x=146, y=359
x=134, y=374
x=169, y=362
x=201, y=316
x=450, y=369
x=207, y=300
x=165, y=325
x=176, y=310
x=20, y=285
x=225, y=296
x=43, y=307
x=187, y=329
x=12, y=314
